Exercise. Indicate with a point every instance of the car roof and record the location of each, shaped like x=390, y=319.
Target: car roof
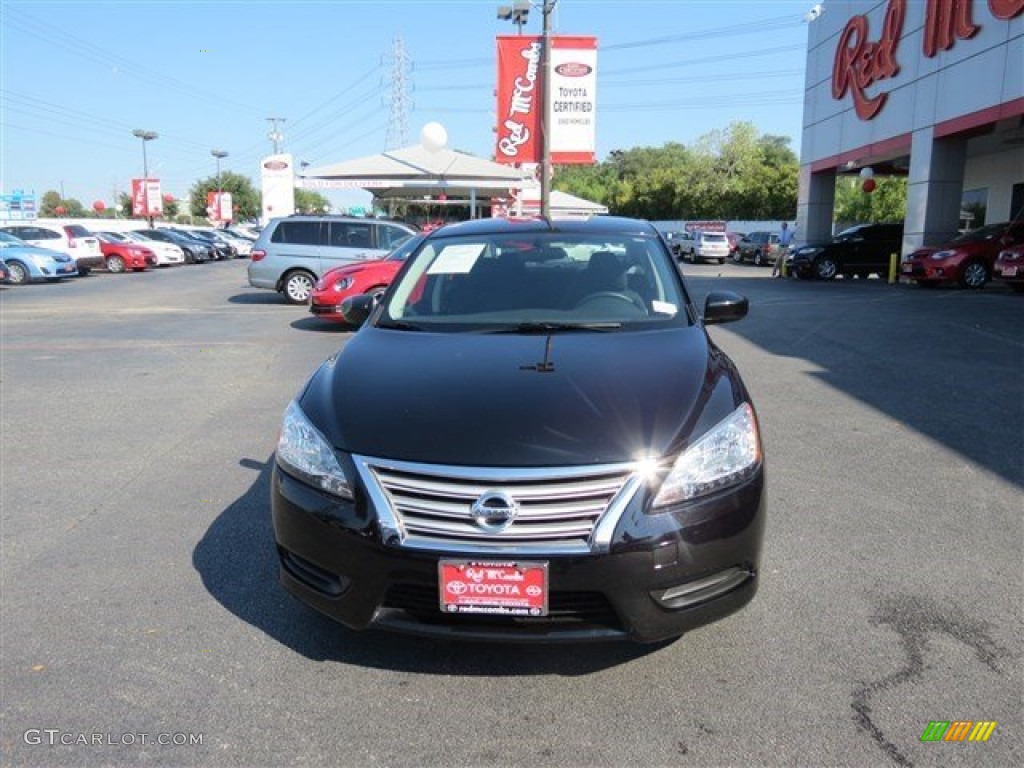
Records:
x=596, y=225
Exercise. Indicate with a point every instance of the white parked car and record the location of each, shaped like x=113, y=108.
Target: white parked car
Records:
x=242, y=244
x=166, y=253
x=707, y=246
x=73, y=239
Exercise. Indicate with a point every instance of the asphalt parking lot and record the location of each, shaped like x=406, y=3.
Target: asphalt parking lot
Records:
x=138, y=575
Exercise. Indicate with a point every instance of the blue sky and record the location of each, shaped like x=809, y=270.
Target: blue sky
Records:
x=78, y=77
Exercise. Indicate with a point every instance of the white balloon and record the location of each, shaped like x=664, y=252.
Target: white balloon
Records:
x=867, y=173
x=433, y=137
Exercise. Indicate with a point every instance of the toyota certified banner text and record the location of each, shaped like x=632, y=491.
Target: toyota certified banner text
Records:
x=572, y=99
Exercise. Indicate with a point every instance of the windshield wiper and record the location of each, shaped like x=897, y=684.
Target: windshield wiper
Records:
x=557, y=327
x=398, y=325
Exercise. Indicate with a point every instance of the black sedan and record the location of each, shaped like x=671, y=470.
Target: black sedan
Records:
x=858, y=251
x=221, y=248
x=196, y=252
x=523, y=444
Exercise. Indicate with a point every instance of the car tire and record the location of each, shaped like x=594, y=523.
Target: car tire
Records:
x=297, y=286
x=84, y=271
x=737, y=258
x=825, y=268
x=19, y=272
x=974, y=275
x=115, y=264
x=758, y=259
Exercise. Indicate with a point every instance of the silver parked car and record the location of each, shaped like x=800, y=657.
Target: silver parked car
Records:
x=292, y=253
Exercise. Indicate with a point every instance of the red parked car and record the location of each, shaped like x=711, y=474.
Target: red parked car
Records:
x=1010, y=267
x=968, y=259
x=122, y=256
x=355, y=279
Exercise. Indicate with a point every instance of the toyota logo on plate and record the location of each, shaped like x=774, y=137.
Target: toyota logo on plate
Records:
x=494, y=511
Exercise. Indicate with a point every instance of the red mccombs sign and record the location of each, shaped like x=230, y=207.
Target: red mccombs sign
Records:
x=571, y=119
x=860, y=62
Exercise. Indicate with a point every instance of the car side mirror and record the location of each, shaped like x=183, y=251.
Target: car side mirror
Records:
x=724, y=307
x=356, y=309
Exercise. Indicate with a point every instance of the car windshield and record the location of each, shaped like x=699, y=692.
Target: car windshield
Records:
x=11, y=239
x=537, y=282
x=405, y=247
x=711, y=237
x=990, y=232
x=77, y=230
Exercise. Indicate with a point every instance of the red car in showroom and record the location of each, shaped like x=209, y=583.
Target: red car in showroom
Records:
x=1010, y=267
x=122, y=256
x=968, y=259
x=355, y=279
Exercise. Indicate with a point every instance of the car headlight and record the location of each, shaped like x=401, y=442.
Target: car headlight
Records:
x=943, y=254
x=344, y=284
x=728, y=454
x=304, y=452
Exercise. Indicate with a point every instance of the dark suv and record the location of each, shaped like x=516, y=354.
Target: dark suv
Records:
x=858, y=250
x=532, y=437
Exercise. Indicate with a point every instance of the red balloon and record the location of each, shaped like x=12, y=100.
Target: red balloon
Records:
x=168, y=198
x=868, y=186
x=60, y=210
x=99, y=206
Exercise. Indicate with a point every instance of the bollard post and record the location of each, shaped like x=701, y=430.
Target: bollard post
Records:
x=894, y=261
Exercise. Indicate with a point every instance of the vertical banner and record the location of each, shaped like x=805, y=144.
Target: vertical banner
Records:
x=277, y=183
x=519, y=99
x=573, y=100
x=218, y=206
x=146, y=197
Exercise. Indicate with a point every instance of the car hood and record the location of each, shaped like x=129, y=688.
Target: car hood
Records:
x=521, y=400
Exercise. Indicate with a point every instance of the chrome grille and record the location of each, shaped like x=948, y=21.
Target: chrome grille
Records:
x=561, y=510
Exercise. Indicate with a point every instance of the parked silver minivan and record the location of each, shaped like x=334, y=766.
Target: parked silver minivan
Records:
x=292, y=253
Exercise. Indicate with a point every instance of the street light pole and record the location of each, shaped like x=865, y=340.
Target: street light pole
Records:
x=145, y=136
x=545, y=138
x=219, y=154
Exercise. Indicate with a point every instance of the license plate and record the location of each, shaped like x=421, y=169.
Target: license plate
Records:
x=907, y=267
x=1009, y=271
x=502, y=588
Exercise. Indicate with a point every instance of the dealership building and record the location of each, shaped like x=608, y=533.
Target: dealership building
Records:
x=929, y=89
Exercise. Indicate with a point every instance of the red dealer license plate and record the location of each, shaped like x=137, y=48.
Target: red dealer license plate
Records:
x=510, y=589
x=1009, y=272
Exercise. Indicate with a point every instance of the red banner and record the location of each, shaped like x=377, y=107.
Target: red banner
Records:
x=519, y=99
x=146, y=199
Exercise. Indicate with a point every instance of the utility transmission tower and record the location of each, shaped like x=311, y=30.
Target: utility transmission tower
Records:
x=401, y=102
x=275, y=136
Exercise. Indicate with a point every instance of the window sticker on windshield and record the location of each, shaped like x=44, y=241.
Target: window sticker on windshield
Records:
x=456, y=259
x=664, y=308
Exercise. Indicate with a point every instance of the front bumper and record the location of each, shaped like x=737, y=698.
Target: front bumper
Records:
x=930, y=270
x=332, y=557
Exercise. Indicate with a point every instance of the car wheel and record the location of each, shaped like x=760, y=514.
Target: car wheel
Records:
x=758, y=259
x=190, y=258
x=736, y=257
x=974, y=275
x=19, y=272
x=83, y=271
x=115, y=264
x=298, y=285
x=825, y=268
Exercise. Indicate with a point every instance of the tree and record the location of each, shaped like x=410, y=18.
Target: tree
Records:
x=308, y=201
x=244, y=197
x=888, y=203
x=726, y=174
x=48, y=203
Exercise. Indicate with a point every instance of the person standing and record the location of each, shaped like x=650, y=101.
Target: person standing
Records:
x=785, y=238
